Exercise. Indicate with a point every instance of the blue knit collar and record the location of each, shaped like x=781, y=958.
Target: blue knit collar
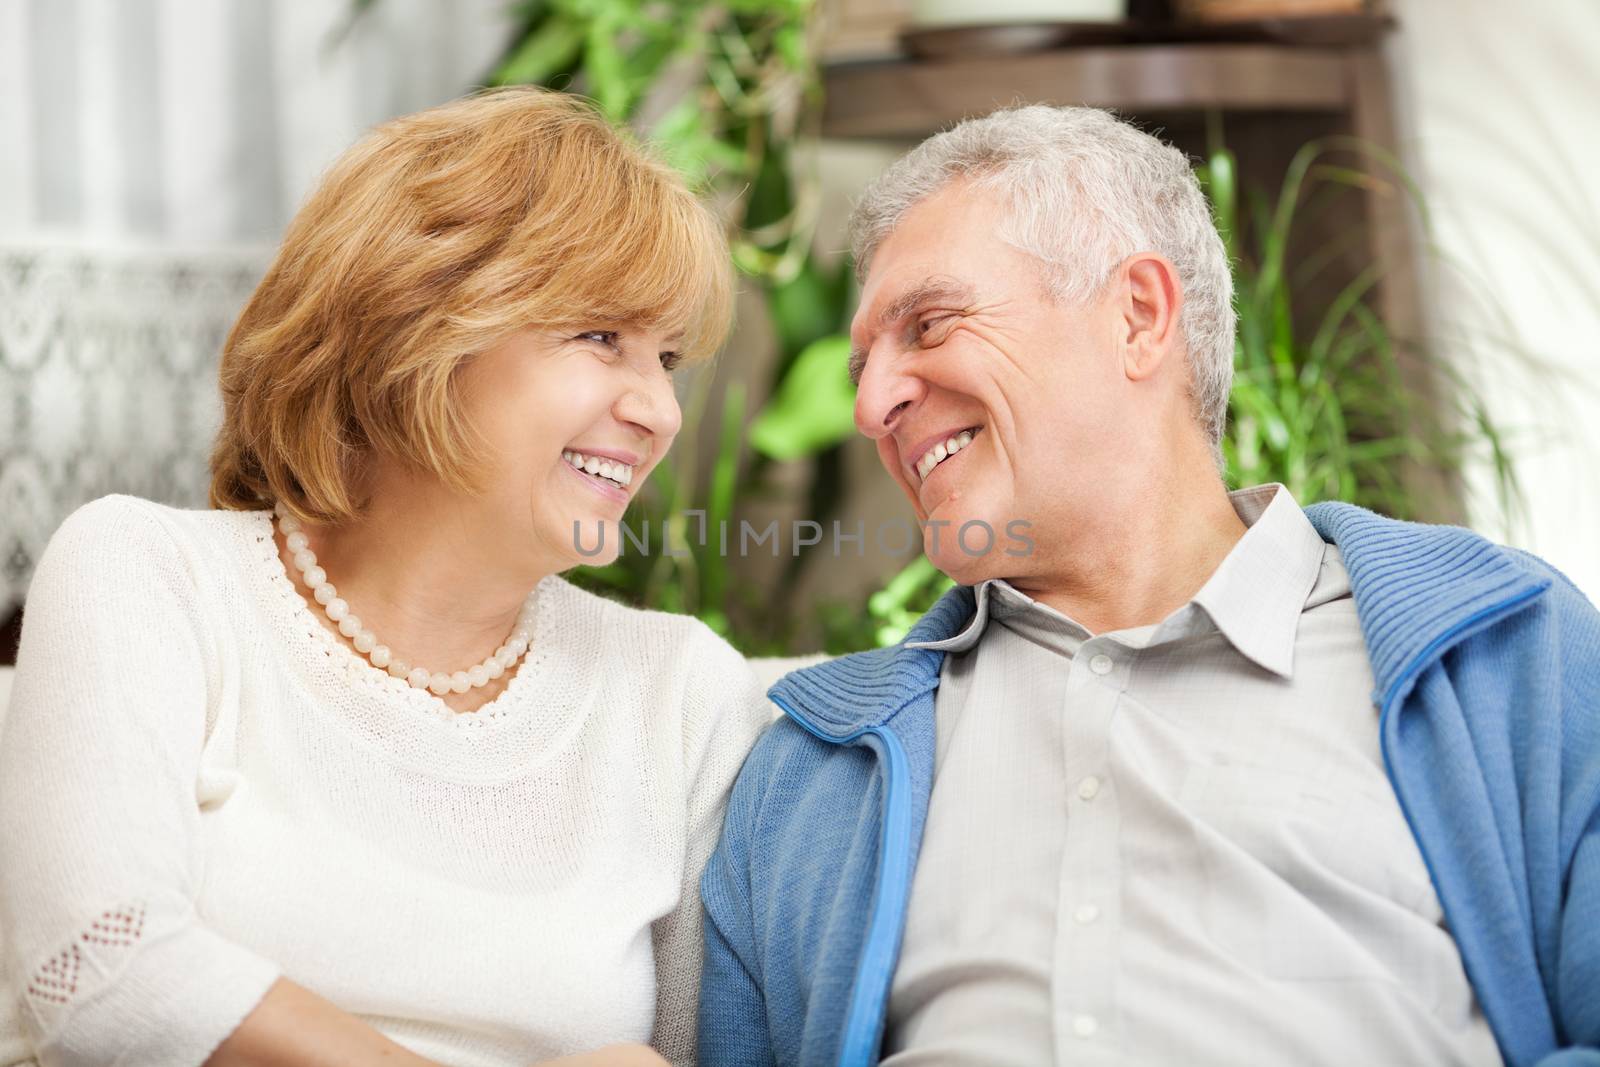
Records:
x=1417, y=589
x=853, y=693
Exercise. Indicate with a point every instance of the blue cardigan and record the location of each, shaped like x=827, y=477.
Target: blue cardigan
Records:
x=1487, y=664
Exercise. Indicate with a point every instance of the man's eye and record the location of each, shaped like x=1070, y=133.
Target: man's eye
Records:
x=934, y=327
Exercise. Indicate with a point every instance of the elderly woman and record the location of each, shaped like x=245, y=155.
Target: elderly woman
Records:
x=341, y=771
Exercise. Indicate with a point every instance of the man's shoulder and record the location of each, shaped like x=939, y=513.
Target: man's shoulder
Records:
x=804, y=758
x=1366, y=539
x=1564, y=590
x=830, y=682
x=1420, y=588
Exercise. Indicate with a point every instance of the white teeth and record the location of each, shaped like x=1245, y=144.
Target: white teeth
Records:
x=621, y=473
x=942, y=451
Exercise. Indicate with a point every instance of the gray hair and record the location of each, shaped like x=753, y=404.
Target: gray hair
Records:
x=1084, y=191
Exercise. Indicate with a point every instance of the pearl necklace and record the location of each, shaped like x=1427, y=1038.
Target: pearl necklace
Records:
x=322, y=591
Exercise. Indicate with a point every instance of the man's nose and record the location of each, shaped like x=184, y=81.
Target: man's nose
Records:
x=885, y=394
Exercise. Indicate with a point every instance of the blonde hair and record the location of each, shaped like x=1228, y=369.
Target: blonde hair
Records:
x=437, y=235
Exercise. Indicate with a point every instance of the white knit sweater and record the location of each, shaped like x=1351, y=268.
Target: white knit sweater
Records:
x=201, y=789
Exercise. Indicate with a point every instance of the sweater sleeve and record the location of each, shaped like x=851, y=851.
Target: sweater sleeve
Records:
x=1575, y=960
x=1578, y=964
x=725, y=710
x=733, y=1027
x=99, y=821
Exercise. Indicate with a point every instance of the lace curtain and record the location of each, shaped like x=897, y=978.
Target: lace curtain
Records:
x=151, y=152
x=108, y=380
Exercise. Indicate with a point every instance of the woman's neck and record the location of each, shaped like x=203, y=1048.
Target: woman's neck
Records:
x=431, y=582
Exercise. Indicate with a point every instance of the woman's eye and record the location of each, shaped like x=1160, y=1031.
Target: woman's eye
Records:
x=670, y=360
x=604, y=337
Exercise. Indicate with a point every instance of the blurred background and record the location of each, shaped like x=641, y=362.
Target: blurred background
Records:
x=1406, y=187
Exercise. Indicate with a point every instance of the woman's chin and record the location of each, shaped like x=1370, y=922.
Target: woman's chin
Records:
x=604, y=558
x=594, y=540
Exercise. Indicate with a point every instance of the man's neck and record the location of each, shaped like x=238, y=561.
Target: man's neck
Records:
x=1141, y=559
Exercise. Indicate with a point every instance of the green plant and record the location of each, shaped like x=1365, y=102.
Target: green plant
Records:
x=1332, y=416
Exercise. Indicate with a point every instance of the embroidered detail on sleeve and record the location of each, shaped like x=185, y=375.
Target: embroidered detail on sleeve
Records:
x=56, y=981
x=116, y=928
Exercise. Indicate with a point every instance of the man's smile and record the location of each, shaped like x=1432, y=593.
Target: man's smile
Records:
x=933, y=451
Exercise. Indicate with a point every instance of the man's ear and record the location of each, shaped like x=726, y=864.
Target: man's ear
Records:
x=1151, y=301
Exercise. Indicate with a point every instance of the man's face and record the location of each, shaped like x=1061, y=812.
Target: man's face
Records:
x=956, y=339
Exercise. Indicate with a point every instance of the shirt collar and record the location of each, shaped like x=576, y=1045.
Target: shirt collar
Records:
x=1254, y=597
x=1257, y=594
x=994, y=597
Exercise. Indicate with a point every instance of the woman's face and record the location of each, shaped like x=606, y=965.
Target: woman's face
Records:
x=574, y=422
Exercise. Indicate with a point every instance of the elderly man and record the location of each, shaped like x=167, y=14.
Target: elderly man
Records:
x=1200, y=778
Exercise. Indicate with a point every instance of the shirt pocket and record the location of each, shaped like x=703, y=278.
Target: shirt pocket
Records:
x=1311, y=883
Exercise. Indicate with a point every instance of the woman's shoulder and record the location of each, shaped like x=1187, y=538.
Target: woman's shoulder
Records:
x=718, y=700
x=119, y=526
x=653, y=636
x=126, y=539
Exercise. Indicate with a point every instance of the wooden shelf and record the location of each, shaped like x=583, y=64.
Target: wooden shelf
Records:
x=909, y=99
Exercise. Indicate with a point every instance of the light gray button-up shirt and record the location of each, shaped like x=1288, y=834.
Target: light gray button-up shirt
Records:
x=1175, y=844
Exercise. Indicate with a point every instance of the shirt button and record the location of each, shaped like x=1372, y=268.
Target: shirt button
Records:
x=1085, y=1026
x=1089, y=788
x=1101, y=664
x=1086, y=914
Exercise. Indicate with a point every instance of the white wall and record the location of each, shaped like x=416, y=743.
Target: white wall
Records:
x=1499, y=106
x=204, y=122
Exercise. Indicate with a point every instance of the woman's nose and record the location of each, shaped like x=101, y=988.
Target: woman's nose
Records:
x=652, y=406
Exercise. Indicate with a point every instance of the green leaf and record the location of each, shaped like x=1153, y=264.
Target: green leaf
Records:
x=1220, y=178
x=719, y=508
x=608, y=76
x=771, y=197
x=814, y=407
x=548, y=50
x=789, y=42
x=752, y=260
x=902, y=587
x=804, y=308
